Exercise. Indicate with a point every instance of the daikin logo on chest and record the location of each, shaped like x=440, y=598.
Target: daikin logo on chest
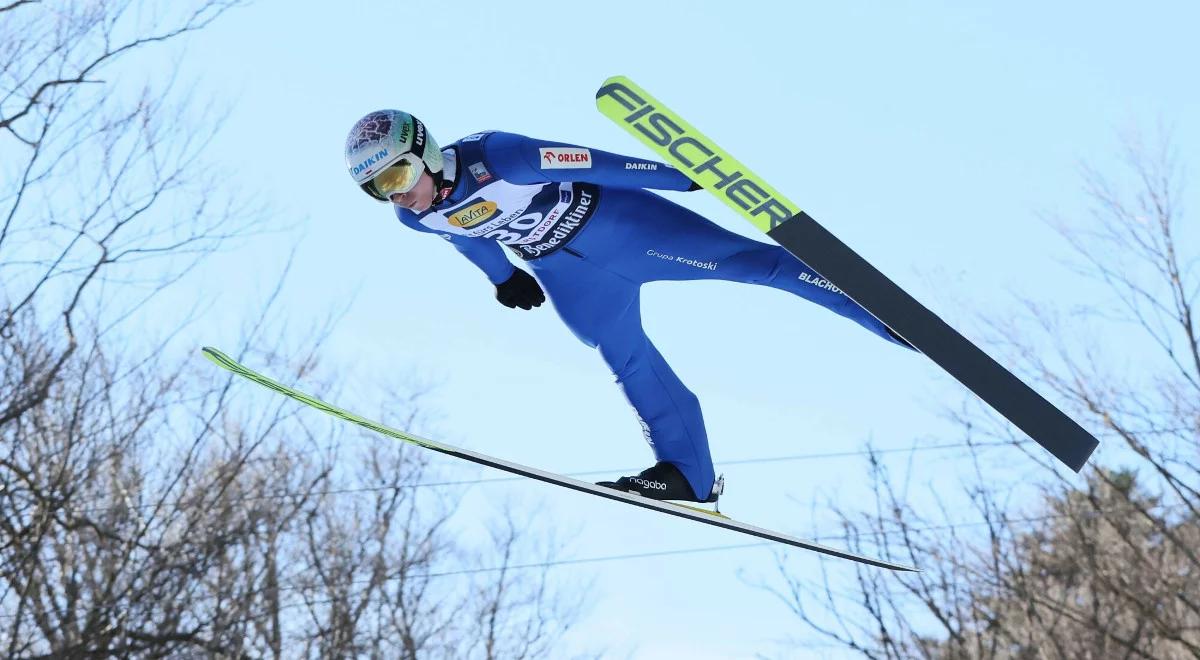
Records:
x=565, y=157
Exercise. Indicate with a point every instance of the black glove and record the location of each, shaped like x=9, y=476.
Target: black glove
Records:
x=520, y=290
x=694, y=187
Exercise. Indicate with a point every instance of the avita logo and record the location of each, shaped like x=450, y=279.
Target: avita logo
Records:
x=645, y=483
x=474, y=214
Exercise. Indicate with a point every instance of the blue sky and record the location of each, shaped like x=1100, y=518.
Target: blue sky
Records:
x=929, y=136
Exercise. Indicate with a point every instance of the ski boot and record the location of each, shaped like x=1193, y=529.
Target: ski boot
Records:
x=664, y=481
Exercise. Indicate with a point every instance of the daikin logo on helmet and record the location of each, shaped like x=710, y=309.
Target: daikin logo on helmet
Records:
x=364, y=167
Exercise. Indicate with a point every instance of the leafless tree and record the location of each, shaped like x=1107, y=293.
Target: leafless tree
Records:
x=1106, y=569
x=515, y=612
x=145, y=509
x=383, y=579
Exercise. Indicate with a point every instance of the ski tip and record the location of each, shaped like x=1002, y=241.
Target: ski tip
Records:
x=890, y=565
x=216, y=356
x=866, y=560
x=609, y=82
x=882, y=563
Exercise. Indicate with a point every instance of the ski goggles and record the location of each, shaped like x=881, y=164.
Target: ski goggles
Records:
x=397, y=179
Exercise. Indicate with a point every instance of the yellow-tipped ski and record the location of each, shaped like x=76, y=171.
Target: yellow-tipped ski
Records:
x=697, y=514
x=679, y=143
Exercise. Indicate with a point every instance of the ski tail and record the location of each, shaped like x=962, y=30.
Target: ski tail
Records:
x=679, y=143
x=1065, y=439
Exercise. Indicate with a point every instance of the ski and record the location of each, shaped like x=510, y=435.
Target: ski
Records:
x=643, y=116
x=691, y=513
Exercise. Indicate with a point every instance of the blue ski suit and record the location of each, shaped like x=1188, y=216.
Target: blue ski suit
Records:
x=593, y=235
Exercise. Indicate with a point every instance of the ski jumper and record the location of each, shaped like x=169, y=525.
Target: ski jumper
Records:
x=593, y=235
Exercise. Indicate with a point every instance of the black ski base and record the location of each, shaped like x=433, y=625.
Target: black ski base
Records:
x=997, y=386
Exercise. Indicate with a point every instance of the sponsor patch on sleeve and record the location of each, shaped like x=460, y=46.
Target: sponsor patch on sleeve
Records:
x=480, y=172
x=555, y=158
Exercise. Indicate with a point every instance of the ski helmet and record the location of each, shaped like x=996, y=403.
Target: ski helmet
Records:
x=387, y=151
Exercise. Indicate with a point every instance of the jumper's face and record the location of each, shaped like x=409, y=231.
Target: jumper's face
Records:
x=420, y=198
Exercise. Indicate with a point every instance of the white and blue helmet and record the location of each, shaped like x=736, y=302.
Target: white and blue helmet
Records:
x=391, y=139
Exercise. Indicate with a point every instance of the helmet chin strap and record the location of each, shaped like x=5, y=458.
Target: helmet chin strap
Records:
x=443, y=181
x=442, y=188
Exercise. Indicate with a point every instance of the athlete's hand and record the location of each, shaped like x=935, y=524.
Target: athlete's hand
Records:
x=520, y=290
x=694, y=187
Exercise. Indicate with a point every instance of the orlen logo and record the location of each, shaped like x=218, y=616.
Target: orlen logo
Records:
x=473, y=214
x=371, y=160
x=565, y=157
